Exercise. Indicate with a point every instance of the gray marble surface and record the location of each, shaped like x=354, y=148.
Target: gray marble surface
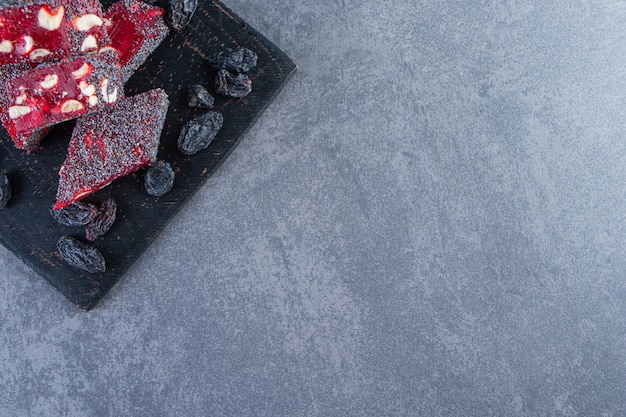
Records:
x=428, y=221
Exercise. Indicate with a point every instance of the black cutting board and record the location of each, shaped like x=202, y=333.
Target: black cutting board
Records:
x=28, y=230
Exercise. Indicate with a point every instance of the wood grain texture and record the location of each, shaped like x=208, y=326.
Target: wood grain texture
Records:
x=28, y=230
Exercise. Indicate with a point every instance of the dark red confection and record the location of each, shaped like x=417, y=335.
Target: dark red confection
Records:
x=136, y=29
x=54, y=93
x=22, y=141
x=46, y=30
x=111, y=143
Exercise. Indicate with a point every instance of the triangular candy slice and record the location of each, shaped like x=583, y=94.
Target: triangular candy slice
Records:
x=111, y=143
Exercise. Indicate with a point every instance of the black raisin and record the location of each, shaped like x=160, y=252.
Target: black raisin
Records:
x=180, y=12
x=107, y=211
x=238, y=60
x=198, y=133
x=76, y=214
x=199, y=97
x=232, y=85
x=5, y=190
x=81, y=255
x=159, y=179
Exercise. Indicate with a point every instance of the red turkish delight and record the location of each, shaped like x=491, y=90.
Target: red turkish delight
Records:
x=22, y=141
x=29, y=142
x=136, y=29
x=53, y=93
x=111, y=143
x=44, y=30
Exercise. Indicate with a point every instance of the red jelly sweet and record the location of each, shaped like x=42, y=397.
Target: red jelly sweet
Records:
x=136, y=29
x=111, y=143
x=22, y=141
x=44, y=30
x=53, y=93
x=30, y=142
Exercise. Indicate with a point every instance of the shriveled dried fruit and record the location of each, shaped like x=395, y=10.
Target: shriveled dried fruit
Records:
x=107, y=212
x=159, y=179
x=198, y=133
x=238, y=60
x=81, y=255
x=180, y=12
x=232, y=85
x=199, y=97
x=74, y=215
x=5, y=190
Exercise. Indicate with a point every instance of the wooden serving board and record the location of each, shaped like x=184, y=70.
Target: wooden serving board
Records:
x=28, y=230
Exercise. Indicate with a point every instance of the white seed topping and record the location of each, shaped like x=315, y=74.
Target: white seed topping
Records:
x=50, y=21
x=93, y=100
x=109, y=97
x=50, y=81
x=38, y=53
x=86, y=22
x=16, y=112
x=71, y=106
x=108, y=48
x=112, y=96
x=104, y=88
x=29, y=43
x=82, y=71
x=6, y=46
x=90, y=43
x=20, y=99
x=86, y=88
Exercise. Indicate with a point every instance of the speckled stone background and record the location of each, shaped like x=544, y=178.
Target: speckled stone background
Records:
x=428, y=221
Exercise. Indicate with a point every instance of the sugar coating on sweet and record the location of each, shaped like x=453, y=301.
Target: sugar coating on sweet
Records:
x=66, y=98
x=136, y=29
x=37, y=31
x=111, y=143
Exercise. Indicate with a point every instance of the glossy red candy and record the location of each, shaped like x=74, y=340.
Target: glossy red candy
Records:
x=136, y=29
x=53, y=93
x=111, y=143
x=22, y=141
x=34, y=31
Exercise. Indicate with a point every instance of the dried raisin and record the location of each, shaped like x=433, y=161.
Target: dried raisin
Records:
x=198, y=97
x=232, y=85
x=107, y=211
x=81, y=255
x=159, y=179
x=238, y=60
x=5, y=190
x=77, y=214
x=180, y=12
x=198, y=133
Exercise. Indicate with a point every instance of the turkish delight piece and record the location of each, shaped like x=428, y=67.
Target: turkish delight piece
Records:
x=30, y=141
x=136, y=29
x=111, y=143
x=27, y=141
x=45, y=30
x=54, y=93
